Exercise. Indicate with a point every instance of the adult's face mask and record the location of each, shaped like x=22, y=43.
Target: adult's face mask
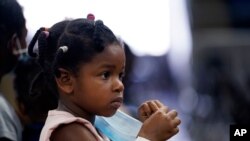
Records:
x=119, y=127
x=13, y=55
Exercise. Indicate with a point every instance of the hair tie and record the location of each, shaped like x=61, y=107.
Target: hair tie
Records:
x=46, y=33
x=64, y=48
x=91, y=17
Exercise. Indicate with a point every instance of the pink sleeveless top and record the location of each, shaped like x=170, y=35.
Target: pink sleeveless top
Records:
x=56, y=118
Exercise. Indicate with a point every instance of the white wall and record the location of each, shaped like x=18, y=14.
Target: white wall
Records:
x=143, y=24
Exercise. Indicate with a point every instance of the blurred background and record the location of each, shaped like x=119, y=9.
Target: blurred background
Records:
x=193, y=55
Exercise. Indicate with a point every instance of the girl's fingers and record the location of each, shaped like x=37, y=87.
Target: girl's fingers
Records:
x=172, y=114
x=145, y=110
x=175, y=131
x=164, y=109
x=153, y=106
x=158, y=103
x=176, y=121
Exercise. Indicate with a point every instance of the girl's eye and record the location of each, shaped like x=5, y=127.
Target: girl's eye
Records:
x=121, y=75
x=105, y=75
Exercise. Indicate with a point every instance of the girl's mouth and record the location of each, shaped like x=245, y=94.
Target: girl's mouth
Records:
x=116, y=103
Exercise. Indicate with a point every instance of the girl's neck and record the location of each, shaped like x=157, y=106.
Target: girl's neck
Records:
x=76, y=111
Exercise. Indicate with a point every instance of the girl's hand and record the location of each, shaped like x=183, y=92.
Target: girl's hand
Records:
x=147, y=108
x=159, y=123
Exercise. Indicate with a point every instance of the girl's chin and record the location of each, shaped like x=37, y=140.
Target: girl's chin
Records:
x=109, y=114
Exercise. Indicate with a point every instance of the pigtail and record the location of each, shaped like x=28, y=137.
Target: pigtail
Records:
x=41, y=90
x=40, y=36
x=43, y=51
x=45, y=75
x=102, y=36
x=33, y=42
x=34, y=85
x=96, y=36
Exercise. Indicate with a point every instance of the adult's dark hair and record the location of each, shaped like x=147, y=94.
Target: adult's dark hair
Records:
x=12, y=22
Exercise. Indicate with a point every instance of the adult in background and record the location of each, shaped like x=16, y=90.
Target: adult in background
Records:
x=12, y=40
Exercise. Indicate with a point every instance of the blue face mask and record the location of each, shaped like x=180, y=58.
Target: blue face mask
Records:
x=119, y=127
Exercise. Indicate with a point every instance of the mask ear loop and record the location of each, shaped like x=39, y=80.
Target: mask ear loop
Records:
x=19, y=50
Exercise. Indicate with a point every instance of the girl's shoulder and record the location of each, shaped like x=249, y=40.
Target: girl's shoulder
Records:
x=72, y=131
x=61, y=125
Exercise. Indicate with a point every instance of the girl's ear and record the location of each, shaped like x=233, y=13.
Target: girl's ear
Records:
x=65, y=81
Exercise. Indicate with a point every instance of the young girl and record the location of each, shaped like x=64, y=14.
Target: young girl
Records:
x=85, y=62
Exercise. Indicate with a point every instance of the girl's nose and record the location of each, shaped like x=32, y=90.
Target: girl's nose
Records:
x=118, y=85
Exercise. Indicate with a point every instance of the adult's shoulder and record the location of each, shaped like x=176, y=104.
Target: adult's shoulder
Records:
x=9, y=121
x=4, y=104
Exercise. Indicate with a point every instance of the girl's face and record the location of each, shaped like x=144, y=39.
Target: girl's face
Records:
x=98, y=87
